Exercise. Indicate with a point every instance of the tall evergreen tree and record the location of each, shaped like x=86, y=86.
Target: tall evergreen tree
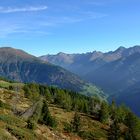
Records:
x=76, y=123
x=104, y=113
x=115, y=132
x=133, y=123
x=46, y=117
x=95, y=104
x=121, y=113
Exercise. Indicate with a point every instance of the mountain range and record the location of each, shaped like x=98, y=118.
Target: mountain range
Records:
x=116, y=72
x=20, y=66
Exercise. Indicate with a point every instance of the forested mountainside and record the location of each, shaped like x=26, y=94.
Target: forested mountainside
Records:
x=21, y=66
x=31, y=111
x=116, y=72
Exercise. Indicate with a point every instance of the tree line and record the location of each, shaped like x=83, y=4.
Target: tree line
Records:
x=122, y=122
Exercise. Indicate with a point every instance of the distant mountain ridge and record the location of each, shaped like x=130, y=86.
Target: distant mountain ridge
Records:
x=93, y=60
x=78, y=63
x=20, y=66
x=116, y=72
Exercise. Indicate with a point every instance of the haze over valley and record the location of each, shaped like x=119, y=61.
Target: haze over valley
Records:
x=117, y=72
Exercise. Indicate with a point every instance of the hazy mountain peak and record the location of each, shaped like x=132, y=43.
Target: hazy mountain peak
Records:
x=6, y=47
x=95, y=55
x=9, y=52
x=61, y=53
x=120, y=49
x=136, y=48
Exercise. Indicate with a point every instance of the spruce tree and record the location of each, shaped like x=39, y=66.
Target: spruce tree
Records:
x=46, y=117
x=133, y=123
x=76, y=123
x=104, y=113
x=115, y=132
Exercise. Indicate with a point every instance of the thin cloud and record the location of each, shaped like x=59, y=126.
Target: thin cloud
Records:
x=81, y=16
x=6, y=30
x=93, y=15
x=95, y=3
x=22, y=9
x=57, y=21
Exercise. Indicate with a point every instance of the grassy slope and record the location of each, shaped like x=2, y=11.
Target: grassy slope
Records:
x=91, y=90
x=13, y=127
x=5, y=84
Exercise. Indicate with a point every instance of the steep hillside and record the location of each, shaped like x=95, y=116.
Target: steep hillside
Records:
x=116, y=72
x=86, y=63
x=21, y=66
x=32, y=112
x=131, y=98
x=118, y=75
x=16, y=108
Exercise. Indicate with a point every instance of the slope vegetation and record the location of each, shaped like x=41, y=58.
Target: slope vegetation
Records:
x=116, y=72
x=32, y=112
x=20, y=66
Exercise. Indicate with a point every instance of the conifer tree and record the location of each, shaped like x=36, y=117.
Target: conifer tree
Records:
x=104, y=113
x=115, y=132
x=76, y=123
x=133, y=124
x=46, y=117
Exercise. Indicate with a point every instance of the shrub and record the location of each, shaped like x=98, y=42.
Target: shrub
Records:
x=31, y=124
x=21, y=134
x=4, y=105
x=67, y=127
x=88, y=135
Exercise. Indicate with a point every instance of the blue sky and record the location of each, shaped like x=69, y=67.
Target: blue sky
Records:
x=51, y=26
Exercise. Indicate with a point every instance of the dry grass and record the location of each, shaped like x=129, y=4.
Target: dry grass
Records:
x=43, y=132
x=88, y=124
